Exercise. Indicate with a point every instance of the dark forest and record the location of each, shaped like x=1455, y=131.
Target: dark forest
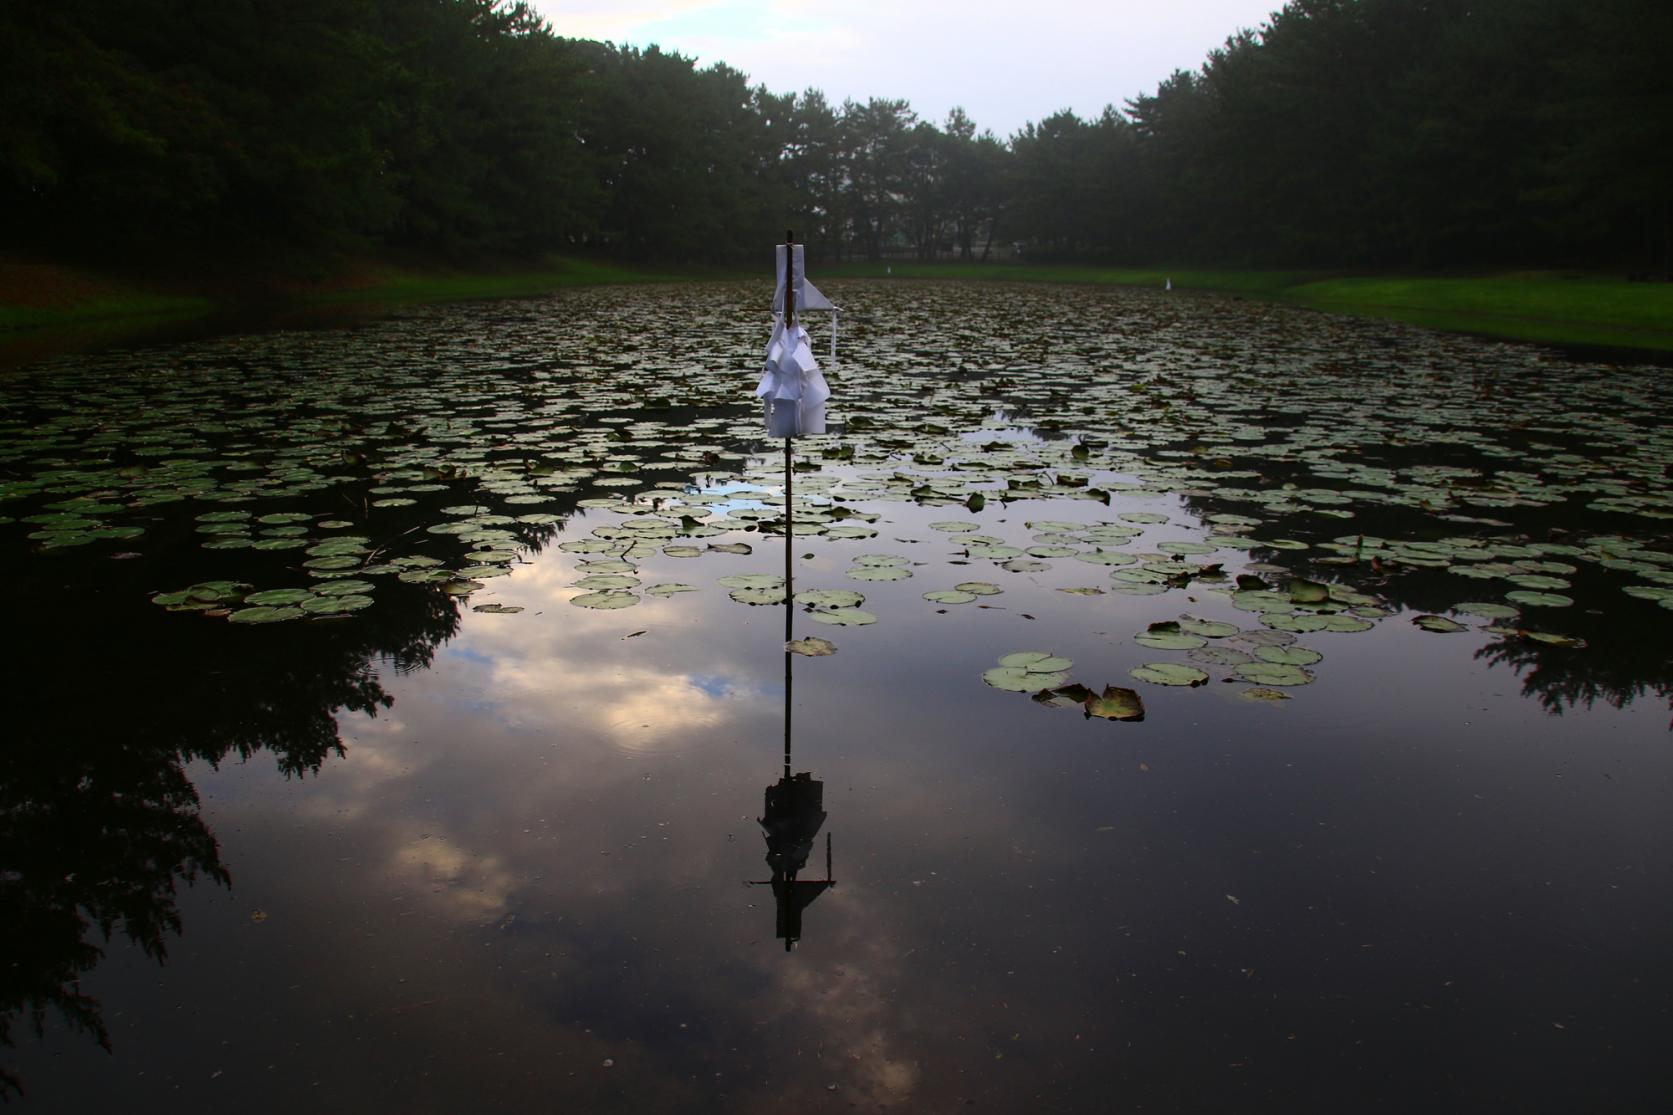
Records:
x=1387, y=133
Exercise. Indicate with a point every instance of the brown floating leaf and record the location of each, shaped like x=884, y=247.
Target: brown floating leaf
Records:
x=812, y=646
x=1116, y=704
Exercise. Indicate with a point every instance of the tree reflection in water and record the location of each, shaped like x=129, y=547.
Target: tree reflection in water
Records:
x=99, y=821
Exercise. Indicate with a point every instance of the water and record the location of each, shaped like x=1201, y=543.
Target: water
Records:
x=419, y=856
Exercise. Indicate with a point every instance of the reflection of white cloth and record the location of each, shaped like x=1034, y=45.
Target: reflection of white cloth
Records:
x=793, y=390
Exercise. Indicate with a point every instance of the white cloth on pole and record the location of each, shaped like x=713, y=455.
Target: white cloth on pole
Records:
x=792, y=389
x=808, y=296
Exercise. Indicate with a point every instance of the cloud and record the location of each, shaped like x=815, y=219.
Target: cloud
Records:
x=608, y=21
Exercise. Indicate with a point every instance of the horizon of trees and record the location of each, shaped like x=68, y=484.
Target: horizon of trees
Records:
x=1424, y=133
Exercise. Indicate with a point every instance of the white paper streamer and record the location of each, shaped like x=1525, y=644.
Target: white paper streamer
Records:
x=792, y=389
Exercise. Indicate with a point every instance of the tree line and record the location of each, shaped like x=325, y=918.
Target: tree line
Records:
x=1339, y=133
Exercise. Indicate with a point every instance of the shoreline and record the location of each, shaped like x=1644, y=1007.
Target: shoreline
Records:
x=41, y=303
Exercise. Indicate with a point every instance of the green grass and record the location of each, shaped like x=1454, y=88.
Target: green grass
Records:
x=1535, y=306
x=104, y=308
x=1241, y=282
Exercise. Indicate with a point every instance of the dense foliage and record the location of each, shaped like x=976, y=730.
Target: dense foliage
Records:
x=1387, y=132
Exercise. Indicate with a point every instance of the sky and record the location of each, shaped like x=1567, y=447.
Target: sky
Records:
x=1006, y=62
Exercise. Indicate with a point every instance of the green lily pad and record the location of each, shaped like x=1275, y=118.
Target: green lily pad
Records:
x=1539, y=599
x=667, y=588
x=1107, y=557
x=878, y=573
x=497, y=609
x=1039, y=661
x=751, y=580
x=1288, y=656
x=279, y=596
x=605, y=600
x=1303, y=591
x=842, y=617
x=1219, y=656
x=1169, y=640
x=265, y=615
x=1485, y=610
x=830, y=598
x=1261, y=693
x=949, y=596
x=597, y=582
x=1272, y=673
x=335, y=605
x=1438, y=624
x=1208, y=628
x=334, y=561
x=1301, y=624
x=1169, y=673
x=758, y=596
x=1016, y=680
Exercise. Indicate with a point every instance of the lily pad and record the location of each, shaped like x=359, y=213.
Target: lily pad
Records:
x=1219, y=656
x=1169, y=640
x=949, y=596
x=1438, y=624
x=1288, y=656
x=1485, y=610
x=1116, y=703
x=1272, y=673
x=279, y=596
x=265, y=615
x=842, y=617
x=1169, y=673
x=1208, y=628
x=1303, y=591
x=812, y=646
x=878, y=573
x=605, y=600
x=335, y=605
x=830, y=598
x=1038, y=661
x=1539, y=599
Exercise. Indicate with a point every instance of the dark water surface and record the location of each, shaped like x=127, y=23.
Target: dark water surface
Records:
x=402, y=854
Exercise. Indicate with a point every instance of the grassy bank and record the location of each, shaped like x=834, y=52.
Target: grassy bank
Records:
x=1537, y=306
x=1553, y=307
x=37, y=297
x=47, y=296
x=1584, y=310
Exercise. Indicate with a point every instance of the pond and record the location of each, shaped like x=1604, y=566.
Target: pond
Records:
x=1200, y=702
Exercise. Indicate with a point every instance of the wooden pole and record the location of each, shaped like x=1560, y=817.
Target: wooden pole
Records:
x=789, y=520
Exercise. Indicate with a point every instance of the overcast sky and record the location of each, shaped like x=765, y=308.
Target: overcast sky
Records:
x=1006, y=61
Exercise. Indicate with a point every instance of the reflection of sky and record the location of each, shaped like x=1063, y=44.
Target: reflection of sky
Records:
x=486, y=900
